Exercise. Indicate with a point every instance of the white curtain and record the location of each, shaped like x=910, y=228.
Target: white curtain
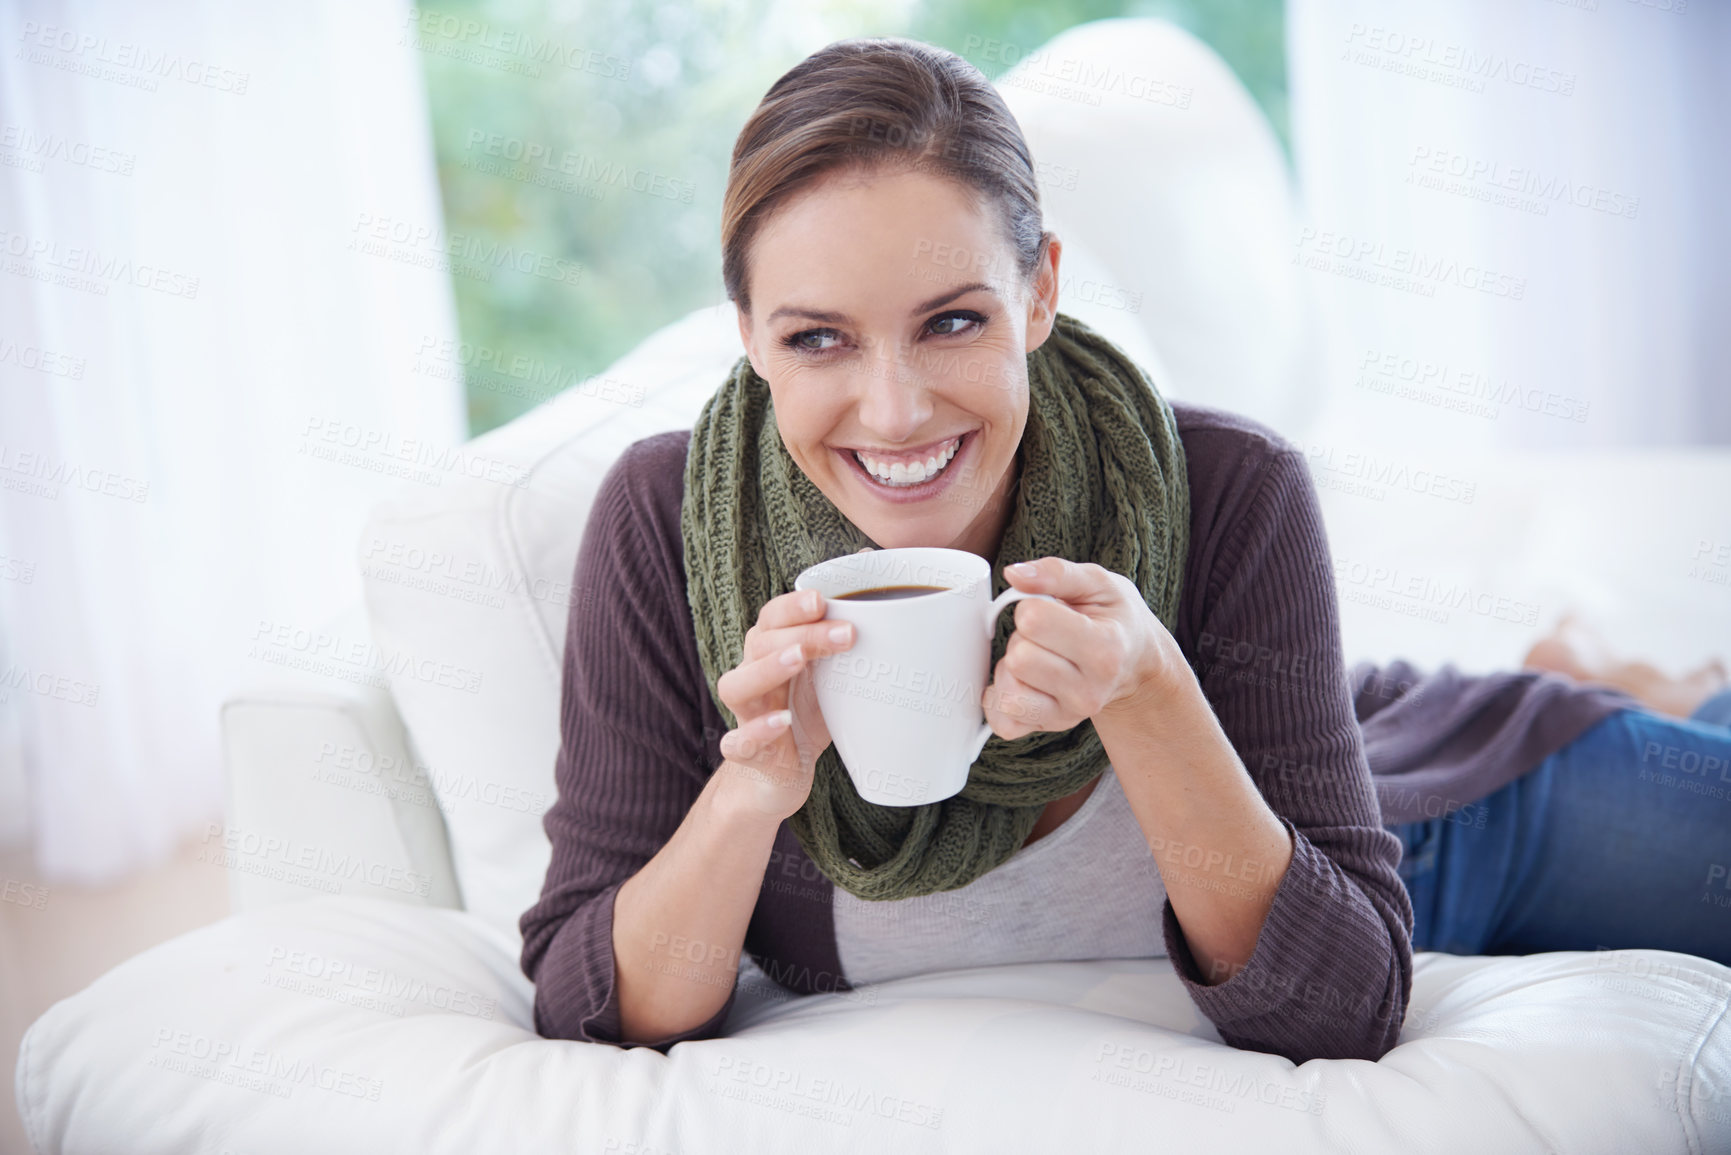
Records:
x=1517, y=217
x=208, y=340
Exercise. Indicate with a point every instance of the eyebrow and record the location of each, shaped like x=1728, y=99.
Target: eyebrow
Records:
x=936, y=302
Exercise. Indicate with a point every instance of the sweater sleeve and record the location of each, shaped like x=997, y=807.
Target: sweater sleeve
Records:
x=1332, y=968
x=632, y=756
x=1438, y=743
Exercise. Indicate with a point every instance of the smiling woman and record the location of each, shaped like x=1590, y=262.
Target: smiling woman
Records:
x=909, y=381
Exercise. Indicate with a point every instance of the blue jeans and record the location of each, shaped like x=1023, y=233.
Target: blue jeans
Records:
x=1620, y=839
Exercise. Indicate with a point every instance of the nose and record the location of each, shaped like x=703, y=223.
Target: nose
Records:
x=893, y=401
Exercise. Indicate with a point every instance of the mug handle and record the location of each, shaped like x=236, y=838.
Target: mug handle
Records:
x=1007, y=598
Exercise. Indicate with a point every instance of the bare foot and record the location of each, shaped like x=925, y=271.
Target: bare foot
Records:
x=1570, y=648
x=1573, y=648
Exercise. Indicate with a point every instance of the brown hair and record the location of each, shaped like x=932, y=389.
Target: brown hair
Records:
x=872, y=104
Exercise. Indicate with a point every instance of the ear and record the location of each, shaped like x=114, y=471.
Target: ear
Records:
x=745, y=340
x=1043, y=301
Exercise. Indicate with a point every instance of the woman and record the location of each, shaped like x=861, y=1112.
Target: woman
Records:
x=909, y=381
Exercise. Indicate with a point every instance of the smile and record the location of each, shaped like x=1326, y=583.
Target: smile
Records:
x=902, y=472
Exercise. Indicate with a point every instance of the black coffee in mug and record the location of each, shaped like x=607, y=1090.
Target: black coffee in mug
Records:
x=886, y=593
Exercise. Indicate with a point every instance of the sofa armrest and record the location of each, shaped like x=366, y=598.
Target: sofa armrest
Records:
x=326, y=797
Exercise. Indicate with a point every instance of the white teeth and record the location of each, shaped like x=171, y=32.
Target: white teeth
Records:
x=901, y=474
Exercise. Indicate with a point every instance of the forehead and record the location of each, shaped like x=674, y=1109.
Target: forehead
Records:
x=896, y=232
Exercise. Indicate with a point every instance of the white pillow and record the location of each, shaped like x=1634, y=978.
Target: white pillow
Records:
x=1157, y=167
x=467, y=587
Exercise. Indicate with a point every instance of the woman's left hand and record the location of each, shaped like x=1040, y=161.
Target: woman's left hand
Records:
x=1096, y=649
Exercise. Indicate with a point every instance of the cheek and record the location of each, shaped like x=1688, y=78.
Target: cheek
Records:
x=1004, y=403
x=990, y=383
x=804, y=419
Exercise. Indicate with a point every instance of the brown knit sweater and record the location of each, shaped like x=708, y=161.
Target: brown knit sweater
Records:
x=1332, y=969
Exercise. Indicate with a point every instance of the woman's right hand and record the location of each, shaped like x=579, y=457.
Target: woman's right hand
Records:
x=781, y=730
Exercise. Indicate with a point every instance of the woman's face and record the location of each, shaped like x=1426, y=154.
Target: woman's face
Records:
x=893, y=327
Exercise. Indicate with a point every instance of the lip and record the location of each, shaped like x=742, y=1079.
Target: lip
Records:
x=920, y=451
x=912, y=493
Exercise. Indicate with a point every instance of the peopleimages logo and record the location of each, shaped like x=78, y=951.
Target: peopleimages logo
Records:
x=1455, y=65
x=1325, y=460
x=253, y=852
x=136, y=65
x=43, y=146
x=32, y=895
x=827, y=1099
x=90, y=269
x=534, y=157
x=485, y=366
x=60, y=687
x=323, y=652
x=465, y=578
x=1117, y=1063
x=462, y=254
x=1386, y=587
x=40, y=475
x=1483, y=175
x=269, y=1072
x=485, y=43
x=1363, y=258
x=346, y=443
x=40, y=360
x=337, y=977
x=1074, y=78
x=1466, y=390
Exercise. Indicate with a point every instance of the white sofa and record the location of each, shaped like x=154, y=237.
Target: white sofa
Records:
x=366, y=996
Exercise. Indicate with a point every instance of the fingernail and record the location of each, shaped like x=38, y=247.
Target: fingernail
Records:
x=780, y=720
x=791, y=656
x=839, y=634
x=811, y=601
x=1023, y=569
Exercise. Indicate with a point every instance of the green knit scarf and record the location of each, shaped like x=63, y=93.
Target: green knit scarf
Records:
x=1102, y=479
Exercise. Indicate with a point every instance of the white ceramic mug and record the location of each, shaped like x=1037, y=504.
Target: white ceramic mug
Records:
x=903, y=704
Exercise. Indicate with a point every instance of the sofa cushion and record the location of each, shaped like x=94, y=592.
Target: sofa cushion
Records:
x=468, y=586
x=346, y=1024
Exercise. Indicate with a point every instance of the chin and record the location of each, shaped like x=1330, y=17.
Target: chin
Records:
x=908, y=534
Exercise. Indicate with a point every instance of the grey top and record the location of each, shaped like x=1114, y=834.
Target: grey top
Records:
x=1047, y=903
x=1439, y=742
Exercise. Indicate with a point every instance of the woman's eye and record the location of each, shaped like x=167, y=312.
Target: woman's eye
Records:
x=814, y=340
x=950, y=324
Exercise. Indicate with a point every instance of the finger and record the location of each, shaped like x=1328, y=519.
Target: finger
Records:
x=1013, y=709
x=819, y=639
x=755, y=679
x=769, y=757
x=1060, y=628
x=748, y=742
x=1082, y=583
x=796, y=607
x=1042, y=671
